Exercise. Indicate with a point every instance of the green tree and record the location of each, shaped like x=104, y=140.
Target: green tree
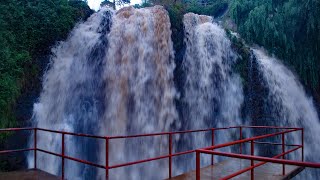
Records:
x=114, y=3
x=287, y=28
x=28, y=28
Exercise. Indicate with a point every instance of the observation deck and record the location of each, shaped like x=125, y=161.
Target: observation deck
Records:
x=222, y=169
x=241, y=163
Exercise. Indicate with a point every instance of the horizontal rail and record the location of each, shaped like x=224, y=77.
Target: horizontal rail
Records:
x=72, y=158
x=174, y=132
x=257, y=165
x=118, y=165
x=276, y=144
x=16, y=150
x=271, y=127
x=184, y=152
x=70, y=133
x=137, y=135
x=84, y=162
x=16, y=129
x=260, y=158
x=141, y=135
x=248, y=139
x=151, y=159
x=138, y=162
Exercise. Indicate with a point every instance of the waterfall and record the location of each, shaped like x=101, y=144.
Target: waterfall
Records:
x=212, y=92
x=72, y=95
x=289, y=105
x=140, y=89
x=112, y=76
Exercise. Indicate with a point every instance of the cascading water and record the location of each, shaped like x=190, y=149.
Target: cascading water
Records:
x=212, y=93
x=72, y=98
x=112, y=76
x=290, y=106
x=139, y=88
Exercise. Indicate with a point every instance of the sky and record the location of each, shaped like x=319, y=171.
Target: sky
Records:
x=95, y=4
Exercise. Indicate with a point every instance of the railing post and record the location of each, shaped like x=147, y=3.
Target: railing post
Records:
x=107, y=158
x=170, y=155
x=252, y=161
x=197, y=165
x=62, y=156
x=35, y=148
x=212, y=143
x=302, y=144
x=240, y=129
x=283, y=157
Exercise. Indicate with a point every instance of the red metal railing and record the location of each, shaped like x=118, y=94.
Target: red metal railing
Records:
x=208, y=150
x=170, y=154
x=107, y=167
x=252, y=157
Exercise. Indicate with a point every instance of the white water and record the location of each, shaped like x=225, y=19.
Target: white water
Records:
x=70, y=99
x=112, y=76
x=212, y=92
x=291, y=105
x=139, y=89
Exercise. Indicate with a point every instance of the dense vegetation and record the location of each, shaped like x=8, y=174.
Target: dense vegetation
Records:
x=114, y=3
x=288, y=28
x=27, y=30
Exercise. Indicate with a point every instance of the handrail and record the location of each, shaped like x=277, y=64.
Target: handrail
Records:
x=257, y=165
x=16, y=150
x=271, y=127
x=71, y=158
x=71, y=133
x=276, y=144
x=141, y=135
x=169, y=134
x=267, y=159
x=247, y=140
x=16, y=129
x=211, y=150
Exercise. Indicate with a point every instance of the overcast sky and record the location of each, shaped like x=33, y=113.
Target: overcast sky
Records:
x=95, y=4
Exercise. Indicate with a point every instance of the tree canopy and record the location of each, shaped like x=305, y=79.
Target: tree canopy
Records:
x=287, y=28
x=28, y=29
x=114, y=3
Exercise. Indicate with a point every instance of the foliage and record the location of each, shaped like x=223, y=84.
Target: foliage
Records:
x=244, y=55
x=212, y=7
x=114, y=3
x=27, y=29
x=287, y=28
x=176, y=12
